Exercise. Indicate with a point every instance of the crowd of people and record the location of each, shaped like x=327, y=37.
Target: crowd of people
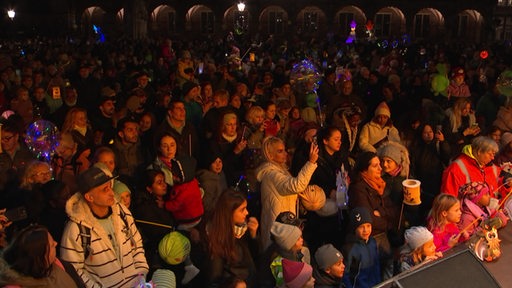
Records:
x=193, y=164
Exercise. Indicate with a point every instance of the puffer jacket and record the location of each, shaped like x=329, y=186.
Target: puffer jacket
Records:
x=279, y=193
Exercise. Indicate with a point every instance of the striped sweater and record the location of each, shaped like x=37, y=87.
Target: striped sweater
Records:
x=102, y=268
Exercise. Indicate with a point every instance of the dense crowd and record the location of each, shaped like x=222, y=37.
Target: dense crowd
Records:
x=211, y=163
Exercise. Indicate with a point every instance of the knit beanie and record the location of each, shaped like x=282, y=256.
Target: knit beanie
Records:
x=416, y=236
x=359, y=216
x=506, y=138
x=473, y=191
x=313, y=198
x=120, y=187
x=296, y=274
x=174, y=248
x=326, y=256
x=284, y=235
x=383, y=109
x=398, y=153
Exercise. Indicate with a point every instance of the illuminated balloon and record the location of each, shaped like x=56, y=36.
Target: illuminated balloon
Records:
x=305, y=76
x=42, y=139
x=439, y=84
x=484, y=54
x=504, y=83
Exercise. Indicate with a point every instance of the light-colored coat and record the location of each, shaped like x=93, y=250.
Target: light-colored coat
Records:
x=102, y=268
x=372, y=133
x=279, y=193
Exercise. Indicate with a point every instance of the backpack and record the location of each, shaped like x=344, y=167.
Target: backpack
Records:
x=85, y=234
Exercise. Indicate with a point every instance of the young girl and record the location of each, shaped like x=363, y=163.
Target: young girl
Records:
x=419, y=248
x=442, y=222
x=475, y=204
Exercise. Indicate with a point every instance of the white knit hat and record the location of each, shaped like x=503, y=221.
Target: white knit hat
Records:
x=285, y=235
x=417, y=236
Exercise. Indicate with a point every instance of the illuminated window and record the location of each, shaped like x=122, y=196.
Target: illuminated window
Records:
x=275, y=22
x=382, y=24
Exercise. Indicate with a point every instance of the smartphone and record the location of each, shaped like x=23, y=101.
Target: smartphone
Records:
x=16, y=214
x=200, y=68
x=439, y=128
x=315, y=140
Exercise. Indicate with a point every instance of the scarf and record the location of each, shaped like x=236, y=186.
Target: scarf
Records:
x=396, y=171
x=239, y=230
x=229, y=138
x=376, y=183
x=81, y=130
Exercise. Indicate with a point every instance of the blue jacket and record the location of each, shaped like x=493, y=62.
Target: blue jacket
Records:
x=362, y=267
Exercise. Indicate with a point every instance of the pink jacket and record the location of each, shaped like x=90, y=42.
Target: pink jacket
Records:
x=441, y=237
x=471, y=211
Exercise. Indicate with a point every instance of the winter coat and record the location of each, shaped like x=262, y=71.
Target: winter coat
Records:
x=458, y=91
x=454, y=177
x=471, y=211
x=213, y=185
x=186, y=139
x=59, y=277
x=102, y=268
x=372, y=133
x=362, y=267
x=360, y=194
x=279, y=193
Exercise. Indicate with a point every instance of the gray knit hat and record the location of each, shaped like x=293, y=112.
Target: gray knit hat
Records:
x=398, y=153
x=285, y=236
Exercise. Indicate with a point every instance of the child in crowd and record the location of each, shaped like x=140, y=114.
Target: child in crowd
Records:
x=362, y=264
x=106, y=156
x=419, y=248
x=442, y=222
x=298, y=274
x=475, y=204
x=329, y=267
x=287, y=243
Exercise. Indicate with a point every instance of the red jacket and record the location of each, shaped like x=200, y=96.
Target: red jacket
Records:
x=185, y=202
x=454, y=176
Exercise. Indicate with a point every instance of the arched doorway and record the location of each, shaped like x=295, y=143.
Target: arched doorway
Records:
x=389, y=23
x=428, y=23
x=163, y=20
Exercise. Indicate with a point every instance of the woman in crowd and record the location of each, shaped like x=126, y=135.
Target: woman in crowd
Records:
x=324, y=228
x=379, y=130
x=430, y=154
x=231, y=240
x=77, y=125
x=459, y=126
x=367, y=190
x=230, y=143
x=279, y=188
x=31, y=261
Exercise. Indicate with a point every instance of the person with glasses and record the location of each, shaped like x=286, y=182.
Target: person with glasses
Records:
x=14, y=157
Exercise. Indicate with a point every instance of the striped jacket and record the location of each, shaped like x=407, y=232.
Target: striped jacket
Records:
x=102, y=268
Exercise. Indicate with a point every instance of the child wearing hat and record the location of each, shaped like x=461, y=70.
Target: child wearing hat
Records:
x=476, y=200
x=287, y=243
x=419, y=248
x=298, y=274
x=362, y=267
x=329, y=267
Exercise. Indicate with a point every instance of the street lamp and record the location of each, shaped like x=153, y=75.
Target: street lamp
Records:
x=240, y=6
x=11, y=13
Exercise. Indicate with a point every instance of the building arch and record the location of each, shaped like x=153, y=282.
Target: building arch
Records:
x=389, y=22
x=93, y=15
x=345, y=15
x=428, y=23
x=311, y=21
x=200, y=20
x=273, y=20
x=163, y=20
x=469, y=25
x=235, y=20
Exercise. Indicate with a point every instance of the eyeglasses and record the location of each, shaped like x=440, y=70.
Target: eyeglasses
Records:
x=7, y=138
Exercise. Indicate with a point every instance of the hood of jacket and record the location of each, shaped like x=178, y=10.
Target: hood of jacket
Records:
x=9, y=276
x=266, y=168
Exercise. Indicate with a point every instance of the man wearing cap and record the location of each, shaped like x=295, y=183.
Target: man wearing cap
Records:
x=191, y=91
x=102, y=120
x=101, y=239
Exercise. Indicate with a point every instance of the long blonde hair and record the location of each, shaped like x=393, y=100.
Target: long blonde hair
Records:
x=443, y=202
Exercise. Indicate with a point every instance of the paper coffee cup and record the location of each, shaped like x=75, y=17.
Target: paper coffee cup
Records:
x=412, y=191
